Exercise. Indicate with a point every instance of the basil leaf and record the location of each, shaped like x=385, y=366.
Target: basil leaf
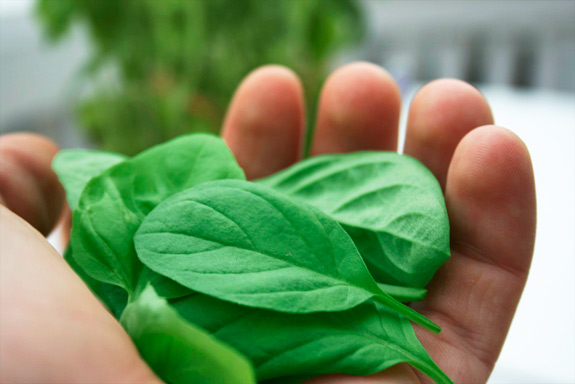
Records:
x=113, y=205
x=392, y=203
x=178, y=351
x=113, y=297
x=75, y=168
x=248, y=244
x=359, y=341
x=164, y=287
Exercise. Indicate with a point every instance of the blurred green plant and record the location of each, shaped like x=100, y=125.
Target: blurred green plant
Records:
x=176, y=63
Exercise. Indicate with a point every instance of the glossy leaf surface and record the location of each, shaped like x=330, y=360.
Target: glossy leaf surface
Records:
x=113, y=205
x=76, y=167
x=360, y=341
x=248, y=244
x=391, y=204
x=178, y=351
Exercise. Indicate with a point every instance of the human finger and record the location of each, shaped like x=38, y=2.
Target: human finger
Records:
x=397, y=374
x=358, y=110
x=490, y=197
x=53, y=329
x=265, y=122
x=28, y=185
x=441, y=114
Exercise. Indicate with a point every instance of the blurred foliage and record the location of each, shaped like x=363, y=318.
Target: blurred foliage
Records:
x=176, y=63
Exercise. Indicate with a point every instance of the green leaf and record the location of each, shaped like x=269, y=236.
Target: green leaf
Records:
x=178, y=351
x=115, y=298
x=166, y=288
x=391, y=205
x=359, y=341
x=76, y=167
x=113, y=205
x=248, y=244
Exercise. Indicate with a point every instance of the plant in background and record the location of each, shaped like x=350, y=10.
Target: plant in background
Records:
x=177, y=63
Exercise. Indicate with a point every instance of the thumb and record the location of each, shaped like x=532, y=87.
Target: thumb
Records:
x=53, y=330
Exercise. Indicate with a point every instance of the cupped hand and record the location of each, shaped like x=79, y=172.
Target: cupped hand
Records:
x=53, y=330
x=484, y=170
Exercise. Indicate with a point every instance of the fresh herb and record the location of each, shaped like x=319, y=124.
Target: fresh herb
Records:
x=114, y=203
x=177, y=350
x=76, y=167
x=359, y=341
x=253, y=246
x=278, y=278
x=390, y=204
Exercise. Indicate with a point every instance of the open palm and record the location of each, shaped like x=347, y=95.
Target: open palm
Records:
x=53, y=329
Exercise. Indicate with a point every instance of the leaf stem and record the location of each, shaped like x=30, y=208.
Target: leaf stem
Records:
x=407, y=312
x=403, y=294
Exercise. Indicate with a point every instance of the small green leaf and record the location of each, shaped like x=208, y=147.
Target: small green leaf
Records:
x=248, y=244
x=115, y=298
x=178, y=351
x=113, y=204
x=391, y=205
x=76, y=167
x=359, y=341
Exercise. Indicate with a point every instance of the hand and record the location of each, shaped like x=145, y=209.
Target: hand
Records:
x=485, y=172
x=53, y=330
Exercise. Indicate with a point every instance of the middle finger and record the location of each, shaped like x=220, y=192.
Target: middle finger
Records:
x=358, y=110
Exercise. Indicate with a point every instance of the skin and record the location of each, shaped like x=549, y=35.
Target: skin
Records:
x=53, y=330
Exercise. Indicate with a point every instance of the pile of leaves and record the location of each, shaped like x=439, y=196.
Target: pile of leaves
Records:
x=163, y=68
x=219, y=279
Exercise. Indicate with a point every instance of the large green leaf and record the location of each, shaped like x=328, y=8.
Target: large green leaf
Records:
x=178, y=351
x=76, y=167
x=391, y=205
x=246, y=243
x=113, y=205
x=359, y=341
